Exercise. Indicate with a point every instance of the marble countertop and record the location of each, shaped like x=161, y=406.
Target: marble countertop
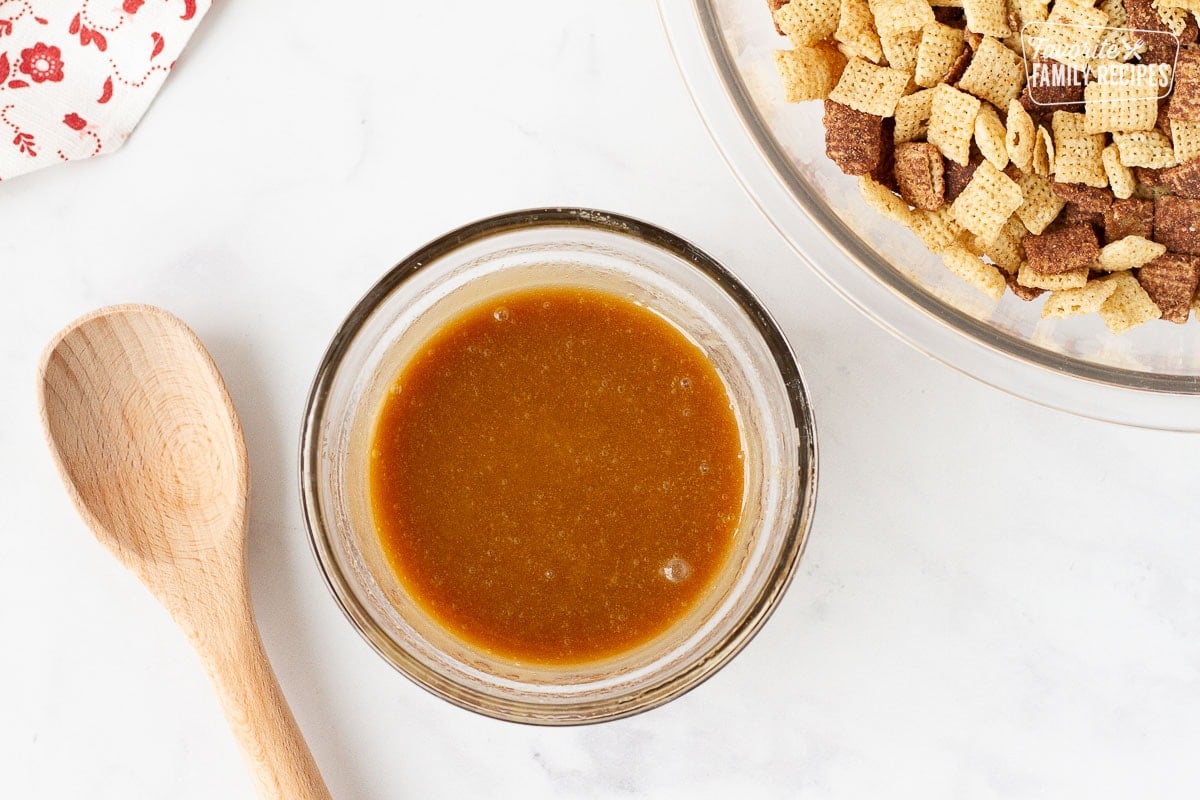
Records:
x=997, y=600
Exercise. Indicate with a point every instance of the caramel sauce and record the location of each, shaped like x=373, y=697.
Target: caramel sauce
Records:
x=556, y=476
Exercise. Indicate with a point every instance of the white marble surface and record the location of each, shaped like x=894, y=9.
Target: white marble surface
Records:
x=997, y=601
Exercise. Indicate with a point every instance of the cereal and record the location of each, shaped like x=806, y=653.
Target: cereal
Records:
x=912, y=115
x=856, y=30
x=1019, y=136
x=987, y=202
x=1032, y=279
x=996, y=74
x=952, y=122
x=1118, y=104
x=1145, y=149
x=1183, y=180
x=1177, y=224
x=959, y=175
x=989, y=136
x=809, y=73
x=1128, y=306
x=1087, y=198
x=1040, y=205
x=1077, y=153
x=939, y=47
x=1120, y=177
x=884, y=200
x=1128, y=253
x=1006, y=249
x=937, y=229
x=1133, y=217
x=1171, y=281
x=870, y=89
x=1062, y=250
x=807, y=22
x=975, y=271
x=775, y=5
x=989, y=17
x=1185, y=138
x=900, y=16
x=1043, y=152
x=1086, y=299
x=1020, y=171
x=919, y=174
x=859, y=143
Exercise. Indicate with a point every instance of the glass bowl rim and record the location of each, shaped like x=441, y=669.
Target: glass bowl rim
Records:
x=705, y=663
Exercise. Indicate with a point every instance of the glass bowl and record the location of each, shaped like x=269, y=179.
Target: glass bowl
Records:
x=559, y=247
x=1148, y=377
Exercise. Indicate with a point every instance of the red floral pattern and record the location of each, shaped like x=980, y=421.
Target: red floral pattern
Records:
x=42, y=63
x=77, y=75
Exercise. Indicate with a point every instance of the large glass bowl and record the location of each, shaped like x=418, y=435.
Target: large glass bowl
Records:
x=1148, y=377
x=576, y=248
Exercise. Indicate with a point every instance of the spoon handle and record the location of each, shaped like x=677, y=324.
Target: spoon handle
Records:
x=227, y=639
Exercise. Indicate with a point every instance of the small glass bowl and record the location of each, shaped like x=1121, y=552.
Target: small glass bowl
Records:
x=559, y=247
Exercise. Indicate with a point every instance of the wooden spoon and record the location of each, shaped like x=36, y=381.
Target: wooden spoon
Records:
x=151, y=451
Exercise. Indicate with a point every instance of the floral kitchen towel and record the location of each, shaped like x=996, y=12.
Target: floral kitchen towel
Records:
x=77, y=75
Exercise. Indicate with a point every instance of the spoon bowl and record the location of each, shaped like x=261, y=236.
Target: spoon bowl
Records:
x=151, y=451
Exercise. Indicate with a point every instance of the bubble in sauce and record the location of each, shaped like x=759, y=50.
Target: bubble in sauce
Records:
x=501, y=314
x=676, y=570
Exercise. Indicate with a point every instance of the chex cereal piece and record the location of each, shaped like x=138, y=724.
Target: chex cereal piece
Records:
x=1133, y=217
x=1176, y=19
x=989, y=17
x=1143, y=16
x=1118, y=40
x=1120, y=177
x=1185, y=138
x=939, y=47
x=919, y=174
x=937, y=229
x=869, y=88
x=1116, y=103
x=952, y=122
x=1064, y=249
x=1032, y=10
x=1074, y=214
x=809, y=73
x=1145, y=149
x=912, y=115
x=1052, y=86
x=1077, y=153
x=1073, y=31
x=775, y=5
x=807, y=22
x=898, y=16
x=856, y=30
x=1177, y=224
x=1040, y=205
x=1149, y=180
x=1087, y=198
x=884, y=200
x=1043, y=152
x=1032, y=279
x=900, y=50
x=1006, y=249
x=1171, y=281
x=1087, y=299
x=1183, y=180
x=1025, y=293
x=959, y=67
x=1128, y=306
x=987, y=202
x=1128, y=253
x=1019, y=136
x=959, y=175
x=989, y=136
x=968, y=266
x=857, y=142
x=996, y=74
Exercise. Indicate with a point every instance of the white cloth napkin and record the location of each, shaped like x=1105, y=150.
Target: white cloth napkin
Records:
x=77, y=75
